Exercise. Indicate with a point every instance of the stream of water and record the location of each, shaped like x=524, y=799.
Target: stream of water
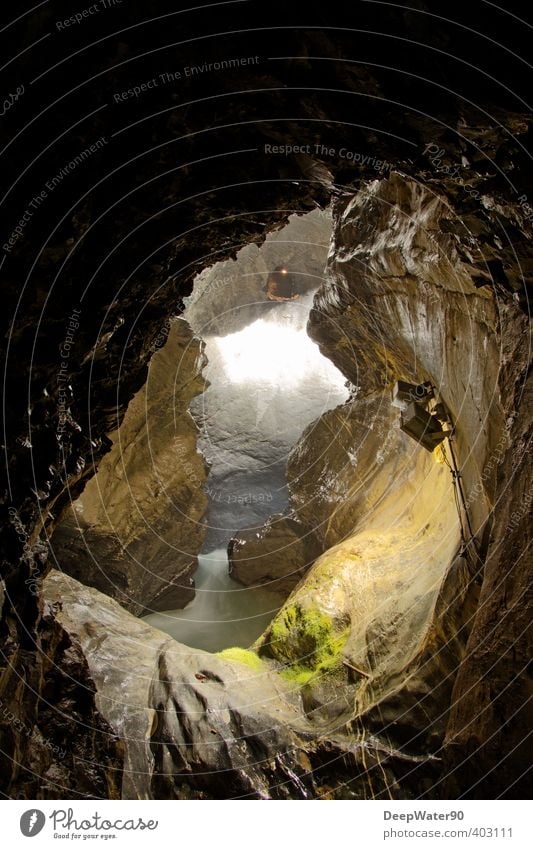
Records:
x=223, y=613
x=267, y=382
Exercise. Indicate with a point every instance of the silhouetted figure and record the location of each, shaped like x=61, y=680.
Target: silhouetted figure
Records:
x=279, y=286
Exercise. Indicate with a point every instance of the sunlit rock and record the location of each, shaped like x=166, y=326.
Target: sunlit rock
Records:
x=137, y=529
x=196, y=725
x=276, y=555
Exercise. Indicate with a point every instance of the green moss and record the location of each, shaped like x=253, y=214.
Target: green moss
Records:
x=244, y=656
x=297, y=675
x=306, y=641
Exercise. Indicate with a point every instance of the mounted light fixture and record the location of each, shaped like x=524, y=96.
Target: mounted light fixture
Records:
x=404, y=393
x=428, y=427
x=417, y=423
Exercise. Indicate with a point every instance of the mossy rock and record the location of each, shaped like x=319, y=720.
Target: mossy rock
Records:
x=306, y=641
x=244, y=656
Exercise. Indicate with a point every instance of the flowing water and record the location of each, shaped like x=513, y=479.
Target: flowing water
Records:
x=223, y=613
x=268, y=381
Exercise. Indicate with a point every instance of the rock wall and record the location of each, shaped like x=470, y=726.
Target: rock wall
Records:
x=276, y=554
x=411, y=304
x=201, y=726
x=486, y=753
x=47, y=756
x=136, y=530
x=345, y=463
x=400, y=303
x=404, y=560
x=378, y=636
x=185, y=174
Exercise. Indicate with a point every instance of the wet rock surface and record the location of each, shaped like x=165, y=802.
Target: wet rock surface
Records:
x=137, y=529
x=48, y=757
x=364, y=612
x=359, y=486
x=123, y=237
x=395, y=299
x=200, y=726
x=371, y=640
x=329, y=491
x=276, y=555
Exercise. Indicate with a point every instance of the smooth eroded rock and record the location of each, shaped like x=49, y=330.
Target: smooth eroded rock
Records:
x=277, y=554
x=136, y=530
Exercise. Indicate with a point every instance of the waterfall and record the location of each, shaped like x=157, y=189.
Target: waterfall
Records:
x=267, y=382
x=223, y=613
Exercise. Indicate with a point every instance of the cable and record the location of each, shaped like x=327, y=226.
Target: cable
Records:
x=460, y=497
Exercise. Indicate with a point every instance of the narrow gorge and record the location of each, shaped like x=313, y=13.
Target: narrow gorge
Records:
x=270, y=539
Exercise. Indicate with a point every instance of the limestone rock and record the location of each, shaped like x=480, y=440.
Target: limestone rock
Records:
x=196, y=182
x=195, y=725
x=277, y=554
x=136, y=530
x=402, y=557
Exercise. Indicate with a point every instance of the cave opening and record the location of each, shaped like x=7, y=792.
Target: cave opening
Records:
x=266, y=381
x=250, y=460
x=261, y=381
x=265, y=440
x=396, y=665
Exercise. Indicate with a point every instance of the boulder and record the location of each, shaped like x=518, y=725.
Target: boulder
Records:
x=137, y=528
x=277, y=554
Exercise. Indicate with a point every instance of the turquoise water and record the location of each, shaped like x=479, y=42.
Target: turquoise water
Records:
x=223, y=613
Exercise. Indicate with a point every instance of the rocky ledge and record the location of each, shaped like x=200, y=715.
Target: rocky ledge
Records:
x=137, y=529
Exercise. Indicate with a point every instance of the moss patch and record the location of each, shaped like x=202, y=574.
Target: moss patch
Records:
x=306, y=641
x=244, y=656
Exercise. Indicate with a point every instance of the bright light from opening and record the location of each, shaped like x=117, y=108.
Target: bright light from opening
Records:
x=277, y=354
